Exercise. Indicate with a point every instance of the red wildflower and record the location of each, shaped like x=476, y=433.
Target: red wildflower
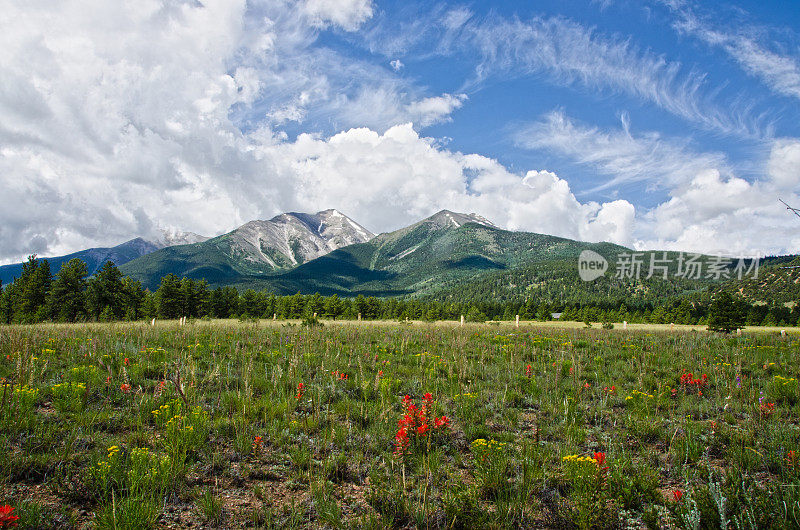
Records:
x=125, y=387
x=600, y=458
x=687, y=380
x=7, y=520
x=677, y=494
x=528, y=371
x=401, y=442
x=415, y=423
x=126, y=361
x=300, y=390
x=792, y=458
x=257, y=443
x=380, y=373
x=406, y=421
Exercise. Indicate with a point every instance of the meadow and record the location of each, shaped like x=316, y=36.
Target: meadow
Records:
x=396, y=425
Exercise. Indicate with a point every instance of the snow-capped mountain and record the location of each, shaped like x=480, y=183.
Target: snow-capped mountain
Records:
x=448, y=219
x=254, y=249
x=169, y=237
x=293, y=238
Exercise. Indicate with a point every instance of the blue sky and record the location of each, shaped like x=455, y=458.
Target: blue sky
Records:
x=655, y=124
x=501, y=104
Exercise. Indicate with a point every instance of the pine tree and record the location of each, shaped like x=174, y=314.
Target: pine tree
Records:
x=67, y=300
x=133, y=296
x=333, y=306
x=106, y=291
x=249, y=304
x=168, y=297
x=33, y=288
x=724, y=315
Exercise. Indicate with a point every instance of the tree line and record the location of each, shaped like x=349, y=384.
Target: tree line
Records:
x=72, y=296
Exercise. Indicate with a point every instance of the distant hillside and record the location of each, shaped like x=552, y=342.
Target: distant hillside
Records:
x=120, y=254
x=778, y=281
x=94, y=258
x=557, y=282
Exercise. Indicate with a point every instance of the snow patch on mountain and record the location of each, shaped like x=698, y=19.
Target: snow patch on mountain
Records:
x=448, y=219
x=293, y=238
x=170, y=237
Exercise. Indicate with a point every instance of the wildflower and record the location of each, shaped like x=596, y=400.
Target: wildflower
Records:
x=677, y=495
x=444, y=421
x=125, y=387
x=422, y=429
x=380, y=373
x=126, y=361
x=528, y=371
x=586, y=385
x=257, y=443
x=401, y=442
x=687, y=380
x=600, y=458
x=792, y=458
x=300, y=390
x=766, y=409
x=7, y=519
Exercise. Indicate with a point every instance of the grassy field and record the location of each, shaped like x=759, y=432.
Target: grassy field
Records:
x=379, y=425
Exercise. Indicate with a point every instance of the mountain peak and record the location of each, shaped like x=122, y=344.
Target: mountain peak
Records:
x=291, y=238
x=169, y=237
x=450, y=219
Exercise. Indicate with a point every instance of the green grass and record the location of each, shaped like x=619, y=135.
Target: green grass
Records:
x=138, y=426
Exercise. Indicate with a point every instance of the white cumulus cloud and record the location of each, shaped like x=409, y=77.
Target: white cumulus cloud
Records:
x=347, y=14
x=392, y=179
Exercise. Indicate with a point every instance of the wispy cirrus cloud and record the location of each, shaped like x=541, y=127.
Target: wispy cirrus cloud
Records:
x=565, y=53
x=749, y=47
x=709, y=208
x=617, y=153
